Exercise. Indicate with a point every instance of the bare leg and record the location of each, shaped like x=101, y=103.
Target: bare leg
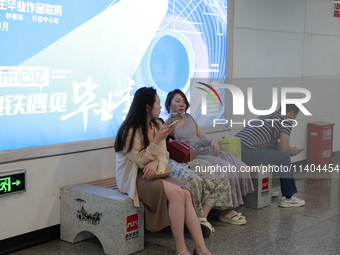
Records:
x=192, y=223
x=224, y=212
x=176, y=200
x=206, y=210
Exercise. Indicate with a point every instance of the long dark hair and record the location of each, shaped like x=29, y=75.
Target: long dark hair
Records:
x=171, y=95
x=136, y=118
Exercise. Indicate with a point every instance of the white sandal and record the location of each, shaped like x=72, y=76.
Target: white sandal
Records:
x=207, y=228
x=199, y=253
x=180, y=252
x=233, y=218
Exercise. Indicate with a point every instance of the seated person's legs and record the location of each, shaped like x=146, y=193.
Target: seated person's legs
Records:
x=282, y=160
x=181, y=211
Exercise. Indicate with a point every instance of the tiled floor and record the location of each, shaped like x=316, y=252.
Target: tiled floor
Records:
x=312, y=229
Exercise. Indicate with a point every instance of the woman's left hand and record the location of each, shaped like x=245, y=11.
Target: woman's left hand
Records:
x=215, y=145
x=150, y=169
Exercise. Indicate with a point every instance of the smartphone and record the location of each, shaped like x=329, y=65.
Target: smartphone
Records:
x=171, y=124
x=173, y=116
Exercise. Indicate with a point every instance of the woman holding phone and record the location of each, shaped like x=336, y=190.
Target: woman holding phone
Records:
x=140, y=154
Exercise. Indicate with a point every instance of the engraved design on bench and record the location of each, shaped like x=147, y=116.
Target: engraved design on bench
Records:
x=83, y=215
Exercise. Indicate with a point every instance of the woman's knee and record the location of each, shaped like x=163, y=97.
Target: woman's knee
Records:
x=174, y=192
x=187, y=195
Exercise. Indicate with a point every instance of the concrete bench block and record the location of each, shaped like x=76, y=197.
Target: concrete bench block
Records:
x=87, y=211
x=262, y=196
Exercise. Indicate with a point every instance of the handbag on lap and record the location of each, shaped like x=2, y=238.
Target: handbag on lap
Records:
x=203, y=147
x=158, y=174
x=180, y=151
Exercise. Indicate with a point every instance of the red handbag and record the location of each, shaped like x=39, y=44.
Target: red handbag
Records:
x=180, y=151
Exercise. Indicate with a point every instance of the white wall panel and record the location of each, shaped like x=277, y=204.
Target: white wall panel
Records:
x=275, y=15
x=320, y=18
x=322, y=55
x=325, y=92
x=260, y=54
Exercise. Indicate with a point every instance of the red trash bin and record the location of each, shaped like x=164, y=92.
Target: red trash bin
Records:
x=320, y=143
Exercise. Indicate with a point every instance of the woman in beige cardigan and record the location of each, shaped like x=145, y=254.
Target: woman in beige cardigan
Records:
x=140, y=155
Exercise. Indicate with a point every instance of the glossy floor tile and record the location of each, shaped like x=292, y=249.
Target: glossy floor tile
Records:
x=311, y=229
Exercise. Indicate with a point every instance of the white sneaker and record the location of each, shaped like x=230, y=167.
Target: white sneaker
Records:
x=291, y=202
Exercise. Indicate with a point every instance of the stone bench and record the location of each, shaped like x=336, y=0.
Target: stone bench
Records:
x=98, y=209
x=262, y=195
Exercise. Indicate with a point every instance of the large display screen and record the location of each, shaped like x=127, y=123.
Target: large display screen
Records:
x=69, y=69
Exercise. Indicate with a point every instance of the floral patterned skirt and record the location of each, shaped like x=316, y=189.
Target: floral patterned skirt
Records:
x=206, y=188
x=240, y=182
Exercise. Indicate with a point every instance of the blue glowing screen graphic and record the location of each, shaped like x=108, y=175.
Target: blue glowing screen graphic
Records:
x=69, y=69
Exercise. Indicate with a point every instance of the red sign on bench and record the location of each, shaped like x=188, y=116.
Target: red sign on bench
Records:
x=131, y=222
